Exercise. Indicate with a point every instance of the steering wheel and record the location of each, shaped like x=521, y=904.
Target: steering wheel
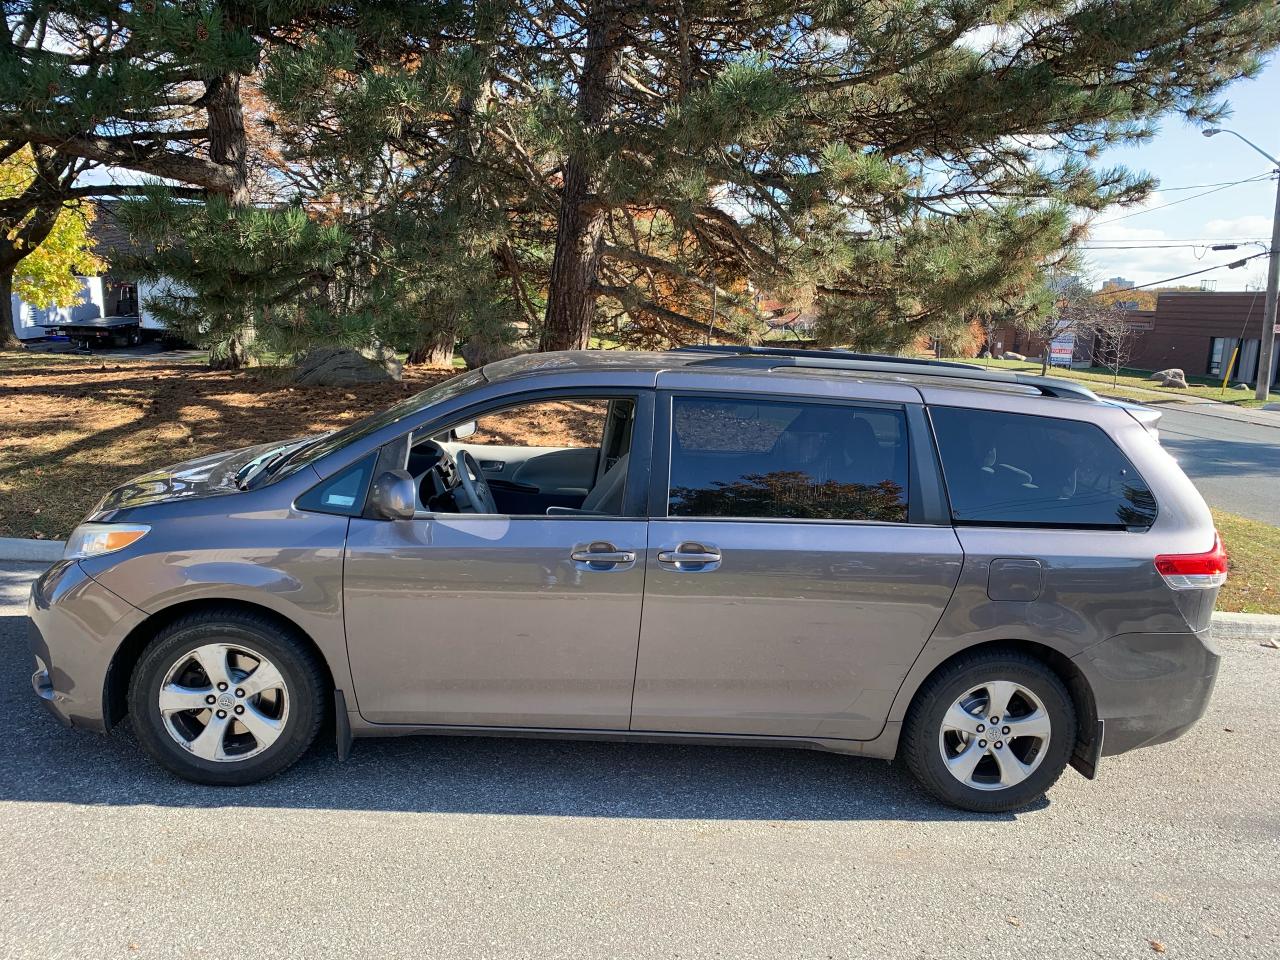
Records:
x=472, y=492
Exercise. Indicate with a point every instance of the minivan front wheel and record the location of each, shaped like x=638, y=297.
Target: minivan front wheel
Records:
x=226, y=698
x=990, y=732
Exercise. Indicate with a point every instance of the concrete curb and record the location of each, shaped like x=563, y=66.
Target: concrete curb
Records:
x=1246, y=626
x=31, y=551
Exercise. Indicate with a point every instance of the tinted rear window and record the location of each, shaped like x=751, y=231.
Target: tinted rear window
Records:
x=784, y=459
x=1009, y=468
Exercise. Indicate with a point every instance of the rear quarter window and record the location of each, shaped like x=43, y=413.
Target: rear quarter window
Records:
x=1024, y=470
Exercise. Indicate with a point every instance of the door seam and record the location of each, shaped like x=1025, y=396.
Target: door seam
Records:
x=644, y=583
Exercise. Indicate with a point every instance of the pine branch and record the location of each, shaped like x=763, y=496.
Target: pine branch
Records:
x=628, y=298
x=174, y=166
x=662, y=266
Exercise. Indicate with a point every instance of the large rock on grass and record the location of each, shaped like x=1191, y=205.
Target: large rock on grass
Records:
x=1010, y=355
x=1173, y=377
x=337, y=367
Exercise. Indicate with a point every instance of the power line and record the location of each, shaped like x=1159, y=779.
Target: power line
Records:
x=1174, y=203
x=1155, y=246
x=1196, y=273
x=1175, y=246
x=1199, y=186
x=1188, y=241
x=1217, y=239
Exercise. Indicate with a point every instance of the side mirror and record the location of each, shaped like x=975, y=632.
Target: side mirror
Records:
x=464, y=430
x=394, y=495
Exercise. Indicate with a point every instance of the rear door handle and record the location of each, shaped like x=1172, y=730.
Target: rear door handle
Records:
x=691, y=556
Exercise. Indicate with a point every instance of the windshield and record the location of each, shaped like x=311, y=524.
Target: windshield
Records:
x=322, y=446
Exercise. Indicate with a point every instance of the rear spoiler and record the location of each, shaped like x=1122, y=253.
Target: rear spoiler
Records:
x=1146, y=416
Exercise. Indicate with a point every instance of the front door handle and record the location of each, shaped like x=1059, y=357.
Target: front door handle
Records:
x=691, y=557
x=602, y=555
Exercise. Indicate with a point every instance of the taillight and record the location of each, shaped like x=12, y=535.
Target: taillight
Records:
x=1195, y=571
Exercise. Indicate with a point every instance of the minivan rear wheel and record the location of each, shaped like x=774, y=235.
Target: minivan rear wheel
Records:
x=226, y=698
x=990, y=731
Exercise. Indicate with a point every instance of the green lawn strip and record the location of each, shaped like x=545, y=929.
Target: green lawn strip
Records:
x=1128, y=383
x=1253, y=550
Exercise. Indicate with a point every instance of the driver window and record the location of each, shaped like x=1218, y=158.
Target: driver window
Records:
x=558, y=424
x=547, y=457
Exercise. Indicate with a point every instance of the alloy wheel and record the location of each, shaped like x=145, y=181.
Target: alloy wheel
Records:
x=224, y=702
x=994, y=735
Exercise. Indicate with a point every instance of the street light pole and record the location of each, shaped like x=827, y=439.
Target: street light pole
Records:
x=1268, y=341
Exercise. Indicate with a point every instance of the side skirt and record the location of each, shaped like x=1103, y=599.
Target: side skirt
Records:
x=883, y=747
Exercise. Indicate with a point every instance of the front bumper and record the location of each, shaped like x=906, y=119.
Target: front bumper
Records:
x=1149, y=688
x=76, y=626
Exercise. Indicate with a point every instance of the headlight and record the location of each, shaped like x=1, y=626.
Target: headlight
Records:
x=95, y=539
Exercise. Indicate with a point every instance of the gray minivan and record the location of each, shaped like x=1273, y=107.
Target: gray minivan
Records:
x=989, y=575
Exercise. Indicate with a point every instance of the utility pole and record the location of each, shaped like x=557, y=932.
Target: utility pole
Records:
x=1268, y=339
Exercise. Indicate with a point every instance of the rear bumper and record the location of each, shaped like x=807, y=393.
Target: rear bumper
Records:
x=76, y=626
x=1149, y=688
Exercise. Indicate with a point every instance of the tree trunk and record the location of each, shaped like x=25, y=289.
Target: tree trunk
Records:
x=571, y=298
x=436, y=351
x=228, y=143
x=229, y=147
x=8, y=333
x=229, y=355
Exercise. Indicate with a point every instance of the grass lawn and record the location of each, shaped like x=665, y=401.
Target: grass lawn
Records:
x=73, y=427
x=1131, y=384
x=1253, y=551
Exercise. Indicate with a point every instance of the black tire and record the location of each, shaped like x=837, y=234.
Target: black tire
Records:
x=303, y=677
x=923, y=729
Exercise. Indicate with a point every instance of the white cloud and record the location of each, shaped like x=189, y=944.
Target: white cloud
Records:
x=1107, y=257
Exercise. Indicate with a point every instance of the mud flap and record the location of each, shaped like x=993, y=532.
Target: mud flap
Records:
x=1088, y=755
x=341, y=725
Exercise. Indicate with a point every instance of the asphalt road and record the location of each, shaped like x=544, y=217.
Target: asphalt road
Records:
x=440, y=848
x=1236, y=465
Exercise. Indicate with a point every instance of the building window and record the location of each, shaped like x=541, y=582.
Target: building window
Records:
x=1220, y=349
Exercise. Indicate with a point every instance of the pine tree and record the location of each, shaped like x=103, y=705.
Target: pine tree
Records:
x=417, y=177
x=894, y=164
x=224, y=267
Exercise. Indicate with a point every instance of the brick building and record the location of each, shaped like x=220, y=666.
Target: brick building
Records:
x=1197, y=331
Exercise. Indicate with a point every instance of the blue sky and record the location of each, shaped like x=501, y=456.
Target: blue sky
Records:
x=1180, y=156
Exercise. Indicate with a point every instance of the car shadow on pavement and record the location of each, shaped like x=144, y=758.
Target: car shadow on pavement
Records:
x=42, y=761
x=1221, y=458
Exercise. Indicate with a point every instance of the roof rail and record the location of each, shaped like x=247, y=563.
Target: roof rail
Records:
x=822, y=354
x=769, y=358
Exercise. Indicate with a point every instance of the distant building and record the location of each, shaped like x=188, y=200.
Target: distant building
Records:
x=1059, y=283
x=106, y=295
x=1196, y=331
x=1118, y=283
x=1199, y=332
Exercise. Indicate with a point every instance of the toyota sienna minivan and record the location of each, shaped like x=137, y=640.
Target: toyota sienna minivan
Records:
x=988, y=575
